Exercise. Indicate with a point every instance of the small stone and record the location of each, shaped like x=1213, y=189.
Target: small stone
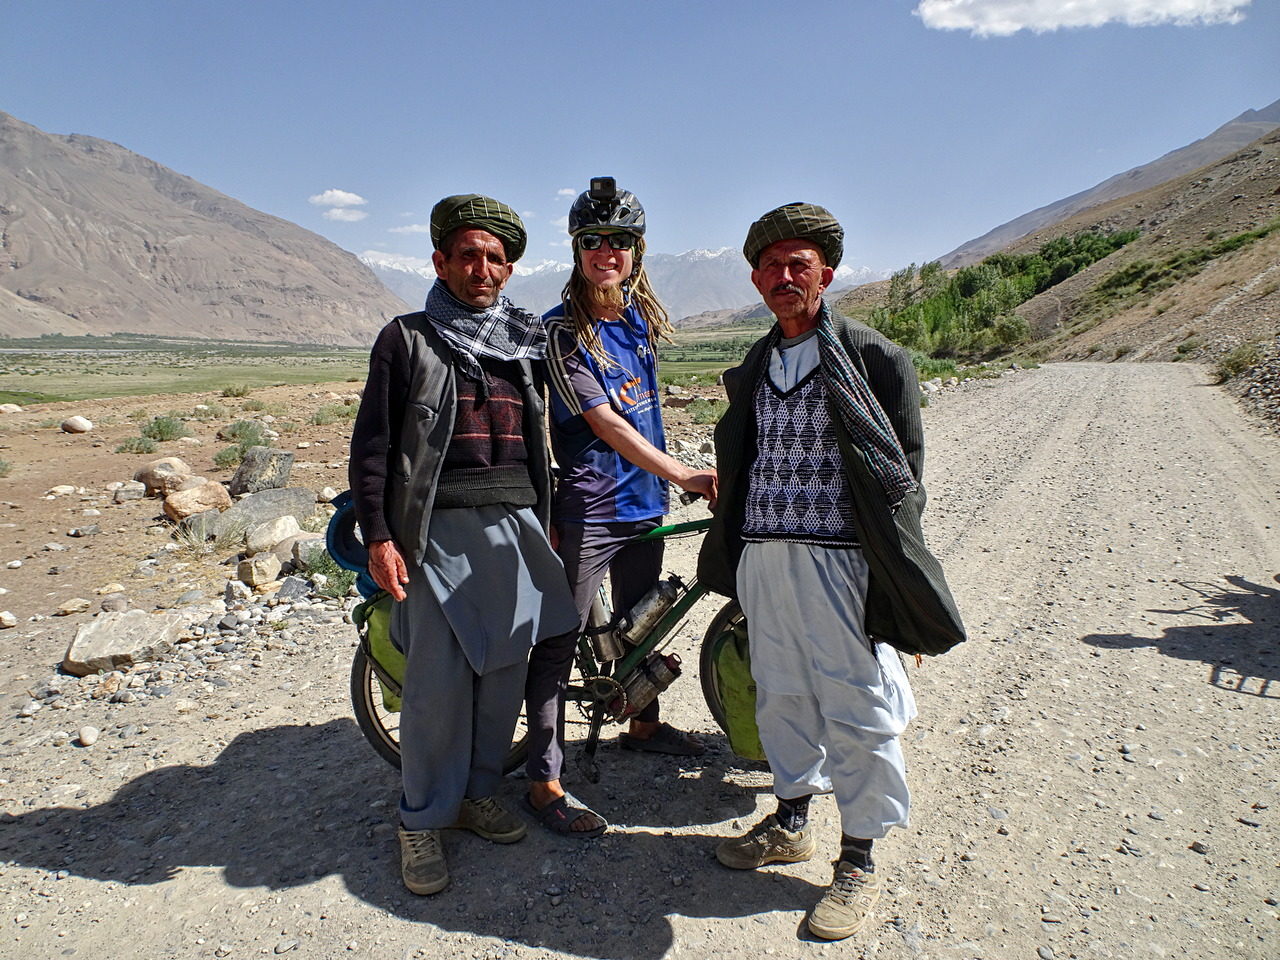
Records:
x=88, y=736
x=14, y=564
x=131, y=490
x=284, y=946
x=84, y=531
x=1044, y=953
x=75, y=605
x=1199, y=846
x=7, y=620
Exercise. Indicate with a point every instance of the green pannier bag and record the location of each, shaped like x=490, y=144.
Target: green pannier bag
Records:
x=373, y=619
x=737, y=690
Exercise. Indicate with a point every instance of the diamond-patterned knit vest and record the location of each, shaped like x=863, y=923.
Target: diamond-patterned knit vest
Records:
x=796, y=487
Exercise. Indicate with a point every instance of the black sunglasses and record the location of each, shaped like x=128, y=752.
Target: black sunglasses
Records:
x=617, y=241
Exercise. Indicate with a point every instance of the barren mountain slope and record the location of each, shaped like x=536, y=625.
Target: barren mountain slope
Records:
x=116, y=242
x=1224, y=141
x=1232, y=299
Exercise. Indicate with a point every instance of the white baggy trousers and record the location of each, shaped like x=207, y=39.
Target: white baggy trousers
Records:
x=829, y=703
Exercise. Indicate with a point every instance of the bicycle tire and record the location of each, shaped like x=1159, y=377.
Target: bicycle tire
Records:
x=728, y=616
x=381, y=727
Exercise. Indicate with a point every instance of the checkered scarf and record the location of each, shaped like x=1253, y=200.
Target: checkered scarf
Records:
x=502, y=331
x=862, y=415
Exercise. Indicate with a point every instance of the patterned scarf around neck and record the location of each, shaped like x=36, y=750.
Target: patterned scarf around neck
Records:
x=861, y=414
x=502, y=331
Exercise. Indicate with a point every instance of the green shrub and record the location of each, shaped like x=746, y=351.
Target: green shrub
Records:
x=707, y=411
x=211, y=411
x=1239, y=360
x=5, y=468
x=137, y=445
x=253, y=404
x=246, y=433
x=236, y=390
x=229, y=456
x=1189, y=345
x=165, y=428
x=333, y=412
x=1121, y=350
x=338, y=580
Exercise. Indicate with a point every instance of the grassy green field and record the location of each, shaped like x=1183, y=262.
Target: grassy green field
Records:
x=67, y=368
x=82, y=368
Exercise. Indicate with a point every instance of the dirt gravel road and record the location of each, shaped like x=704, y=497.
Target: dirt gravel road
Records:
x=1094, y=772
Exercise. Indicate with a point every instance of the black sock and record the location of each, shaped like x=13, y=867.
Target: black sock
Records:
x=857, y=852
x=793, y=814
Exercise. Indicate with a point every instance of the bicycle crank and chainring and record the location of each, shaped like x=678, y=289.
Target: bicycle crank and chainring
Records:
x=608, y=693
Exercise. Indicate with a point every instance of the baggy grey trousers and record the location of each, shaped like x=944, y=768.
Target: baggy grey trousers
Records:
x=455, y=724
x=489, y=588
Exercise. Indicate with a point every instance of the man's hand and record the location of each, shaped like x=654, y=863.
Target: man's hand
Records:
x=387, y=567
x=702, y=482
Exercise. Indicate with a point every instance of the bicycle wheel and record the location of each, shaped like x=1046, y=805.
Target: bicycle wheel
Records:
x=380, y=726
x=729, y=616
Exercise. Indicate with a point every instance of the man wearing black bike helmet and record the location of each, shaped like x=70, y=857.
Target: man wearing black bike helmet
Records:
x=606, y=431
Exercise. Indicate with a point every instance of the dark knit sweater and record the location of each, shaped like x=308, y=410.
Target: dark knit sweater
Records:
x=486, y=461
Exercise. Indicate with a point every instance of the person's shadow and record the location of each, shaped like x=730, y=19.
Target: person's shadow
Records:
x=286, y=805
x=1237, y=636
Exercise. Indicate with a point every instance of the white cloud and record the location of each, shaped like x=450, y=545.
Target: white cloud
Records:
x=346, y=216
x=1002, y=18
x=566, y=192
x=412, y=228
x=528, y=214
x=337, y=198
x=561, y=222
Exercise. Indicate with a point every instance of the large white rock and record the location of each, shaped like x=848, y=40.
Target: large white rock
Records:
x=77, y=425
x=264, y=536
x=113, y=640
x=10, y=408
x=163, y=475
x=258, y=570
x=185, y=503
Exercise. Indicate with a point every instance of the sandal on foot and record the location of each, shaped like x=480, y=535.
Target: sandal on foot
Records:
x=666, y=739
x=562, y=813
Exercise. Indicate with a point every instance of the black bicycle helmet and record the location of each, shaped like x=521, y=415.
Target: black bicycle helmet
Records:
x=605, y=206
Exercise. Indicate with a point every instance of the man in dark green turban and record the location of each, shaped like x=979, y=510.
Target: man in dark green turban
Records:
x=450, y=478
x=481, y=213
x=817, y=534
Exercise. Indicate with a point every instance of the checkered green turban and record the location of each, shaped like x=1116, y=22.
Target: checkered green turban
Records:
x=484, y=213
x=804, y=221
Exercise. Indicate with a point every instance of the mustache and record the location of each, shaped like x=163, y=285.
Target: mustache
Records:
x=788, y=288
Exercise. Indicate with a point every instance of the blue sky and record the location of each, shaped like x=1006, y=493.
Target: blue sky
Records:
x=919, y=123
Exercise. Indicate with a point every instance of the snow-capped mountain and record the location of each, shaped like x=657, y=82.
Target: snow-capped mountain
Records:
x=689, y=283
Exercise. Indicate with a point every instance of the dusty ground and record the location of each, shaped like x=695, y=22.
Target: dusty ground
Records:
x=1095, y=771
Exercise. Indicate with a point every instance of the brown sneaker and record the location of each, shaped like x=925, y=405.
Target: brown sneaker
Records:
x=491, y=820
x=846, y=906
x=422, y=865
x=767, y=842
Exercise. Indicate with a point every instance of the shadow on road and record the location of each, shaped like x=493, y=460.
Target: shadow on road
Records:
x=286, y=805
x=1238, y=638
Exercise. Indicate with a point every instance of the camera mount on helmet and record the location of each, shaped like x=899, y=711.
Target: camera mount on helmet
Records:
x=604, y=207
